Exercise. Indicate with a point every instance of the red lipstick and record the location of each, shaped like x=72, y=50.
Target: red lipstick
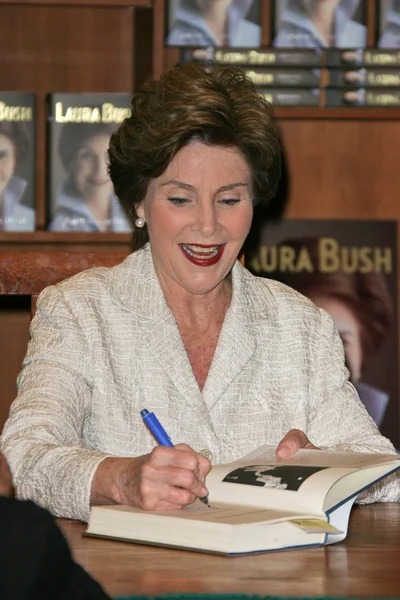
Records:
x=210, y=256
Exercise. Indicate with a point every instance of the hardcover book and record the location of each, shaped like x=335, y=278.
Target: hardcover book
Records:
x=17, y=161
x=192, y=23
x=389, y=24
x=80, y=192
x=257, y=504
x=348, y=268
x=262, y=57
x=341, y=24
x=364, y=77
x=371, y=57
x=363, y=96
x=292, y=96
x=286, y=77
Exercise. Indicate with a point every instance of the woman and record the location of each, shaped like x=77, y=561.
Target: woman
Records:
x=227, y=361
x=85, y=201
x=316, y=24
x=213, y=23
x=14, y=145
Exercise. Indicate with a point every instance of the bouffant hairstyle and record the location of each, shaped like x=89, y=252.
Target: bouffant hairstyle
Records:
x=74, y=135
x=18, y=133
x=191, y=102
x=365, y=294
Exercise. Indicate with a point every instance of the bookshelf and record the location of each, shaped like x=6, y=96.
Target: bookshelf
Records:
x=342, y=161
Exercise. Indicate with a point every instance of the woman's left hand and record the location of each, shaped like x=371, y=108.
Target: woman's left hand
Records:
x=293, y=441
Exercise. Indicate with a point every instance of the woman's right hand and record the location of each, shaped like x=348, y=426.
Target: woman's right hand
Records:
x=166, y=479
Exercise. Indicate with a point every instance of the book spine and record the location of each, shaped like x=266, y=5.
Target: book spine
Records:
x=373, y=77
x=292, y=97
x=242, y=57
x=372, y=57
x=363, y=97
x=275, y=77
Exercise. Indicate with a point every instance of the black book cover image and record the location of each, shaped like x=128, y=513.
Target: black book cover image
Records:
x=17, y=162
x=313, y=24
x=81, y=196
x=389, y=24
x=348, y=268
x=210, y=23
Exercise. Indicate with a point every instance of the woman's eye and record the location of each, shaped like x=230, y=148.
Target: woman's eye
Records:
x=176, y=200
x=230, y=201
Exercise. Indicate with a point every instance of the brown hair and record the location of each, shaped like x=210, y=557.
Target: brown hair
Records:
x=214, y=105
x=365, y=294
x=18, y=133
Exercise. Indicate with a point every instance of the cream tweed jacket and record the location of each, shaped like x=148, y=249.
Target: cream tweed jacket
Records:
x=105, y=345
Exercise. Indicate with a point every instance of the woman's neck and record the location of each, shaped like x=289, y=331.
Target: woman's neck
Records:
x=323, y=19
x=215, y=15
x=198, y=312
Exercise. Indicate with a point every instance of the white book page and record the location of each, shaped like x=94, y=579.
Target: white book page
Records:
x=299, y=483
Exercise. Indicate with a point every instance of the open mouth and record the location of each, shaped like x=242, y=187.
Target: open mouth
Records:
x=202, y=254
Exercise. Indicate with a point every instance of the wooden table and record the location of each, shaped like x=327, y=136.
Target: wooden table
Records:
x=367, y=563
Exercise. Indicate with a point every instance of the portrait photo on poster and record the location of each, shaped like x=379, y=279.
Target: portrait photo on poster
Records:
x=278, y=477
x=389, y=24
x=17, y=161
x=348, y=268
x=81, y=195
x=316, y=24
x=234, y=23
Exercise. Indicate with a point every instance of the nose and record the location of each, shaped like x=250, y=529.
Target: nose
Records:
x=206, y=220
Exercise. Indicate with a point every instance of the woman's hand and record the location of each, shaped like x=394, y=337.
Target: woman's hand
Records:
x=165, y=479
x=6, y=488
x=293, y=441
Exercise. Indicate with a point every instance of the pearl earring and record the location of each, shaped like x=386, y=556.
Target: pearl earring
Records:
x=139, y=222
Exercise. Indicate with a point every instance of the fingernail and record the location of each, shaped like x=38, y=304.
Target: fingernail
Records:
x=203, y=492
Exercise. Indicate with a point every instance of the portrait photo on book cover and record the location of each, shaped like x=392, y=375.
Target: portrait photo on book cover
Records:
x=389, y=24
x=17, y=186
x=278, y=477
x=348, y=268
x=81, y=195
x=316, y=24
x=233, y=23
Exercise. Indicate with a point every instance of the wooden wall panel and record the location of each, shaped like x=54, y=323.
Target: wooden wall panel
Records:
x=344, y=169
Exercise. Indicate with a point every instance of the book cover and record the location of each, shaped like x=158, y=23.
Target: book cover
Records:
x=17, y=161
x=313, y=24
x=349, y=268
x=389, y=24
x=198, y=23
x=80, y=192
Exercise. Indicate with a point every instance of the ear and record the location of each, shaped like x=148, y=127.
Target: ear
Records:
x=140, y=211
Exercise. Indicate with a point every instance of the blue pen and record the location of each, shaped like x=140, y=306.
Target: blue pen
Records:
x=161, y=435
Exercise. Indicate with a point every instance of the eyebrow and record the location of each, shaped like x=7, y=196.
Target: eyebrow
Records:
x=223, y=188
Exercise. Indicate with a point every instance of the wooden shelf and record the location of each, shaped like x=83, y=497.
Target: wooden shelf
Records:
x=341, y=113
x=102, y=3
x=58, y=237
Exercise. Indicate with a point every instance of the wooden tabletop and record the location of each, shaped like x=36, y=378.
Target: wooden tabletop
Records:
x=367, y=563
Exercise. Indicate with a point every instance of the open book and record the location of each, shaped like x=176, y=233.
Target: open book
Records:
x=257, y=503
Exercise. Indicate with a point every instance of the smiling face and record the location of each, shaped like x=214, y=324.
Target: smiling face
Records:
x=89, y=168
x=198, y=214
x=7, y=161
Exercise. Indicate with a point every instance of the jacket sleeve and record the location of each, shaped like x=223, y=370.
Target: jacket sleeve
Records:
x=42, y=438
x=338, y=419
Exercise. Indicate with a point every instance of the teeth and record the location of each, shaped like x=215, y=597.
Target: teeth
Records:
x=199, y=251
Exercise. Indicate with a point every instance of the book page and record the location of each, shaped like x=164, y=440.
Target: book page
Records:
x=299, y=483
